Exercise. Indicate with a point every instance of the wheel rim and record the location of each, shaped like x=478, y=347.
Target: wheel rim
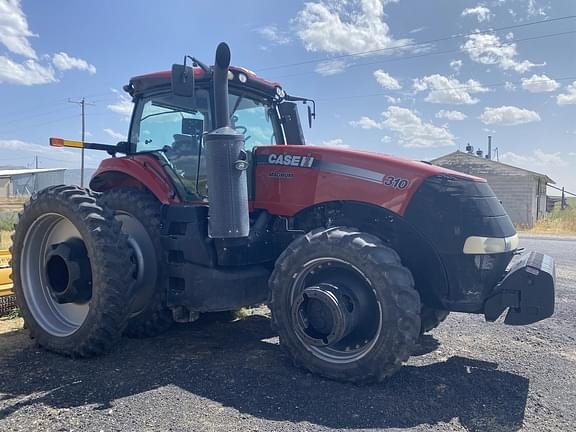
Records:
x=58, y=319
x=335, y=311
x=145, y=261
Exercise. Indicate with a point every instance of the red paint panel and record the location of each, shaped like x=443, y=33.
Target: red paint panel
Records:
x=133, y=171
x=286, y=190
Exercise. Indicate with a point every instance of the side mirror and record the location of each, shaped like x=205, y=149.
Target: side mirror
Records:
x=311, y=112
x=182, y=80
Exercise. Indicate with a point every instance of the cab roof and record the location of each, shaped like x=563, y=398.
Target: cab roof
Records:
x=152, y=81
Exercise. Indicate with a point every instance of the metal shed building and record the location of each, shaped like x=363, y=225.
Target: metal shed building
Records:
x=16, y=182
x=522, y=192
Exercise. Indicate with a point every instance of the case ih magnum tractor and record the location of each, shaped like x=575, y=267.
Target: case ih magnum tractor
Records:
x=217, y=204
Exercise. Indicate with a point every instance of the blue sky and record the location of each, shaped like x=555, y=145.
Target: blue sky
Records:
x=379, y=83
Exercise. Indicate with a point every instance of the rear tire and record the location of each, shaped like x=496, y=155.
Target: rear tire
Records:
x=139, y=210
x=431, y=318
x=368, y=280
x=91, y=323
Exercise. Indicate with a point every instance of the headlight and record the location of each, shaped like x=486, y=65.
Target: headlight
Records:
x=476, y=245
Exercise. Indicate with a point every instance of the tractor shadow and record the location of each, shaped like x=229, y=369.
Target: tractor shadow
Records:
x=240, y=365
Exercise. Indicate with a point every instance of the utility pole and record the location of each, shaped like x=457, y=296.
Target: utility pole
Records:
x=36, y=161
x=82, y=102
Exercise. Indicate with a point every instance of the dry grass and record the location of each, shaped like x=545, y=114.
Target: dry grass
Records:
x=8, y=217
x=557, y=222
x=11, y=324
x=5, y=240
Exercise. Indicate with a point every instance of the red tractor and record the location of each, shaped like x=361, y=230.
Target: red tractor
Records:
x=217, y=204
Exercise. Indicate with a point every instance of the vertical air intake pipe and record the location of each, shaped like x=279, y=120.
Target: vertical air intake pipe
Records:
x=226, y=162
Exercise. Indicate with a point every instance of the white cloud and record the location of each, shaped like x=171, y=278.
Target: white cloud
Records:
x=345, y=27
x=274, y=35
x=481, y=12
x=336, y=142
x=487, y=49
x=14, y=32
x=27, y=73
x=392, y=99
x=508, y=86
x=568, y=98
x=386, y=81
x=14, y=35
x=448, y=90
x=508, y=116
x=456, y=65
x=330, y=67
x=535, y=160
x=115, y=135
x=539, y=84
x=535, y=10
x=366, y=123
x=123, y=106
x=64, y=62
x=413, y=132
x=386, y=139
x=451, y=115
x=418, y=30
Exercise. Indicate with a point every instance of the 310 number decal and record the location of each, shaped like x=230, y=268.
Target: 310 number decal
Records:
x=396, y=182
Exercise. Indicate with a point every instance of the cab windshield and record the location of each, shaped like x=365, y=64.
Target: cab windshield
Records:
x=173, y=126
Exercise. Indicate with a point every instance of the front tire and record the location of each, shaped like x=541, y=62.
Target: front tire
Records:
x=69, y=262
x=431, y=318
x=139, y=212
x=344, y=306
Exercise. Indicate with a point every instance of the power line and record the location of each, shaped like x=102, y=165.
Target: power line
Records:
x=415, y=44
x=447, y=89
x=34, y=109
x=416, y=56
x=41, y=114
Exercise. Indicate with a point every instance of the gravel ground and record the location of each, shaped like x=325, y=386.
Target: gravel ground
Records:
x=467, y=375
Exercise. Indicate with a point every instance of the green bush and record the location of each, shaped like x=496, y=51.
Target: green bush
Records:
x=7, y=221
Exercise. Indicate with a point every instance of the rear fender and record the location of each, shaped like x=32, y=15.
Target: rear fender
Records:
x=140, y=171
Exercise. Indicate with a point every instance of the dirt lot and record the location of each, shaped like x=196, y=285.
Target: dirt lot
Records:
x=468, y=375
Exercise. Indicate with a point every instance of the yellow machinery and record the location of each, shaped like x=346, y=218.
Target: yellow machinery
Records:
x=6, y=293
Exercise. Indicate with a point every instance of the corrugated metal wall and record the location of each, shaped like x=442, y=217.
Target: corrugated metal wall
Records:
x=27, y=184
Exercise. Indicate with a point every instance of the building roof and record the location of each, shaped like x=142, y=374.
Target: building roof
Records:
x=477, y=163
x=15, y=172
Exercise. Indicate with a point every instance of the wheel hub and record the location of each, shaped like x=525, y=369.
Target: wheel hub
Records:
x=68, y=273
x=323, y=314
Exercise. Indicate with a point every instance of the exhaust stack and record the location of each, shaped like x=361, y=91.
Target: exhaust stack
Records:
x=226, y=162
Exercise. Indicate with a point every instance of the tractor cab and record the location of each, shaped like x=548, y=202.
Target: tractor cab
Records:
x=170, y=119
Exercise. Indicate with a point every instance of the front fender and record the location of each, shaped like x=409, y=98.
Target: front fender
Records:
x=135, y=171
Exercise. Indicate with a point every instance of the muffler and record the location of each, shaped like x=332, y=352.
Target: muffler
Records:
x=226, y=162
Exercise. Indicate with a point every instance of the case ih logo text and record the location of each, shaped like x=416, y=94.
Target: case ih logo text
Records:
x=291, y=160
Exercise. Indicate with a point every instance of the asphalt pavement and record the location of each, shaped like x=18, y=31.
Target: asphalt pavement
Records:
x=466, y=375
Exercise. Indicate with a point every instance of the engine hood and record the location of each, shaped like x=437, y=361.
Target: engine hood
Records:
x=379, y=161
x=290, y=178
